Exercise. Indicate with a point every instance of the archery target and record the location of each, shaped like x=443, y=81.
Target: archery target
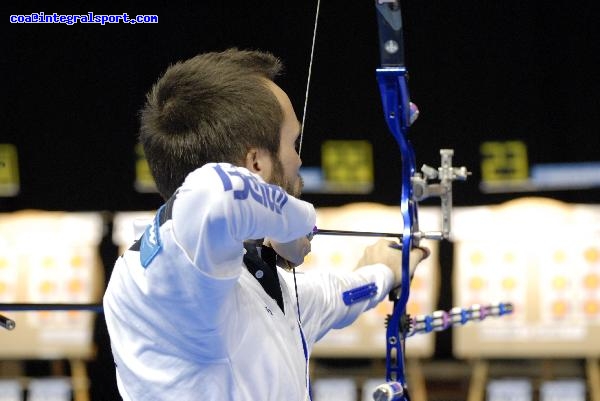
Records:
x=525, y=252
x=49, y=257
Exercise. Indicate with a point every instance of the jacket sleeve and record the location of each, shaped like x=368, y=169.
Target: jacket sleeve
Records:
x=321, y=297
x=200, y=259
x=219, y=206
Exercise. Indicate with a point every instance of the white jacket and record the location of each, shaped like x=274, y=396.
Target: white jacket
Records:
x=188, y=321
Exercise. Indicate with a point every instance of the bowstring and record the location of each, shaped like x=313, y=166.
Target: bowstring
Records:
x=310, y=64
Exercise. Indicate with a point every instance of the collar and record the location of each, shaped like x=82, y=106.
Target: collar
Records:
x=260, y=262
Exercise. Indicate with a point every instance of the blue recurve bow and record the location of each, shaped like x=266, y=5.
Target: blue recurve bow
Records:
x=399, y=114
x=392, y=77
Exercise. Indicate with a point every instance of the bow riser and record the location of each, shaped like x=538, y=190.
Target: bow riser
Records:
x=396, y=108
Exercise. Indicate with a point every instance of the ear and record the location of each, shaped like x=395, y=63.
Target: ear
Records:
x=259, y=161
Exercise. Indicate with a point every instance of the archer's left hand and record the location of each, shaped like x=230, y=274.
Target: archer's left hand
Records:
x=390, y=254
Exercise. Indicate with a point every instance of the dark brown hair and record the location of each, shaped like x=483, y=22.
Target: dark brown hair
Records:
x=211, y=108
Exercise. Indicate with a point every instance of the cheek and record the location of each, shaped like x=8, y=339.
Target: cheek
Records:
x=290, y=159
x=294, y=164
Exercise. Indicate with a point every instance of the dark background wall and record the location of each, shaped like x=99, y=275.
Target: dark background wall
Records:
x=479, y=71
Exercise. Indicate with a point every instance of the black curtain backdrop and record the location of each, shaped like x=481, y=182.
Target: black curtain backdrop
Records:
x=479, y=71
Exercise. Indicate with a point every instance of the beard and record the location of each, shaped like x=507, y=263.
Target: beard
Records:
x=278, y=178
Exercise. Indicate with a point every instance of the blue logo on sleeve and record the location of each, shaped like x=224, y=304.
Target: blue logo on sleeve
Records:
x=268, y=195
